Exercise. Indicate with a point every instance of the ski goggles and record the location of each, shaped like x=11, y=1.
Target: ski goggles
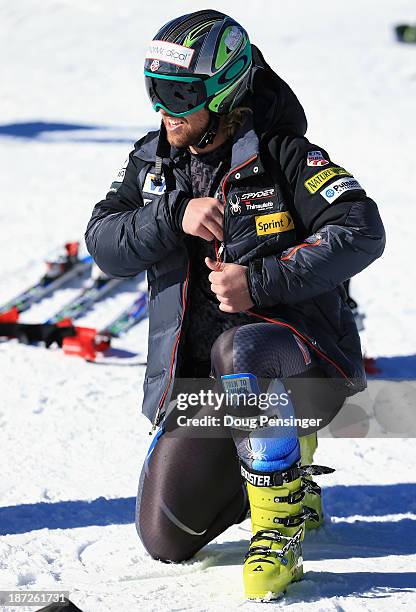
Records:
x=177, y=95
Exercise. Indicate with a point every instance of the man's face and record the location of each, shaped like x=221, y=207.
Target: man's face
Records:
x=185, y=131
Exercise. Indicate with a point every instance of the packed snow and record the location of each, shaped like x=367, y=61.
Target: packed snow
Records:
x=71, y=435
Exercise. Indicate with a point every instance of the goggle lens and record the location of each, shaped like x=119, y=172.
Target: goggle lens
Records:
x=176, y=96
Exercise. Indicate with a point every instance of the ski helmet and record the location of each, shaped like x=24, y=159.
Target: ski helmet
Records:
x=199, y=60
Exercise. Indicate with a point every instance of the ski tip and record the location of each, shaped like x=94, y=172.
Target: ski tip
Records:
x=72, y=249
x=10, y=316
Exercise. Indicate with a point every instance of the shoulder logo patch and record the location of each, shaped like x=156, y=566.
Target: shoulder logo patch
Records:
x=337, y=188
x=315, y=158
x=317, y=180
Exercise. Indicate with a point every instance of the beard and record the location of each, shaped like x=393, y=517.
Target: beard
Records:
x=189, y=133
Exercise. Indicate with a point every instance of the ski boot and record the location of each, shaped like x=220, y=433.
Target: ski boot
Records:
x=312, y=499
x=276, y=490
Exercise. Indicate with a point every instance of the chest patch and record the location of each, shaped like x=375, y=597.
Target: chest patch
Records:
x=149, y=187
x=253, y=202
x=274, y=223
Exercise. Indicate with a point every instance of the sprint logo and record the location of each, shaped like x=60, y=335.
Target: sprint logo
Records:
x=315, y=183
x=274, y=223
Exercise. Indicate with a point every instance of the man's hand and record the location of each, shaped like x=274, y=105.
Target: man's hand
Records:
x=229, y=283
x=203, y=218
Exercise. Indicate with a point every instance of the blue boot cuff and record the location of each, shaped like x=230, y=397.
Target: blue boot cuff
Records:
x=272, y=454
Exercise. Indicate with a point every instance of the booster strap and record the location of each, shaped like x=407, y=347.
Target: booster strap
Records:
x=270, y=479
x=279, y=478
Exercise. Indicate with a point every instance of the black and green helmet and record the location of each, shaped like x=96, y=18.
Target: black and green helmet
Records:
x=200, y=60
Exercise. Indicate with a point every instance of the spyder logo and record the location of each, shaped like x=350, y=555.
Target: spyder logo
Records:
x=235, y=204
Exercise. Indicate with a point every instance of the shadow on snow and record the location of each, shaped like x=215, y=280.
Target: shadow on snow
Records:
x=39, y=130
x=66, y=514
x=335, y=540
x=398, y=367
x=366, y=585
x=341, y=540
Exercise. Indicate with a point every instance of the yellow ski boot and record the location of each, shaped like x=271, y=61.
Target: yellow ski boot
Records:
x=274, y=558
x=278, y=515
x=312, y=499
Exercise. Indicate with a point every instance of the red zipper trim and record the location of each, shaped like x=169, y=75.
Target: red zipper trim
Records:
x=227, y=176
x=308, y=342
x=300, y=246
x=175, y=347
x=224, y=181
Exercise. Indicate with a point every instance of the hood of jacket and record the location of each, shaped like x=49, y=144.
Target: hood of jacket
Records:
x=276, y=107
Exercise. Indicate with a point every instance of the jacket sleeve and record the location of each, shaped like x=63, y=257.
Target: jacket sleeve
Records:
x=125, y=236
x=343, y=229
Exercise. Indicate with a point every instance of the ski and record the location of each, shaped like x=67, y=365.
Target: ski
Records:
x=60, y=325
x=83, y=342
x=87, y=342
x=129, y=317
x=59, y=272
x=96, y=290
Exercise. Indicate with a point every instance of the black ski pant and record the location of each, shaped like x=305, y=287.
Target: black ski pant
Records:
x=190, y=487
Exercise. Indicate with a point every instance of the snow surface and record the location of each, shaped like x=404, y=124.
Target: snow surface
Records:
x=71, y=437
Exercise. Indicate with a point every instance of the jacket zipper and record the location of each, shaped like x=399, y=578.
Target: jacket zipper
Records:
x=219, y=250
x=174, y=351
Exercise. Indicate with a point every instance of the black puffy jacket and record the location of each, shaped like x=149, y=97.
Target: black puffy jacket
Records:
x=300, y=222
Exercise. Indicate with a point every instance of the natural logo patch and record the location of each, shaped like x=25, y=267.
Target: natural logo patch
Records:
x=317, y=180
